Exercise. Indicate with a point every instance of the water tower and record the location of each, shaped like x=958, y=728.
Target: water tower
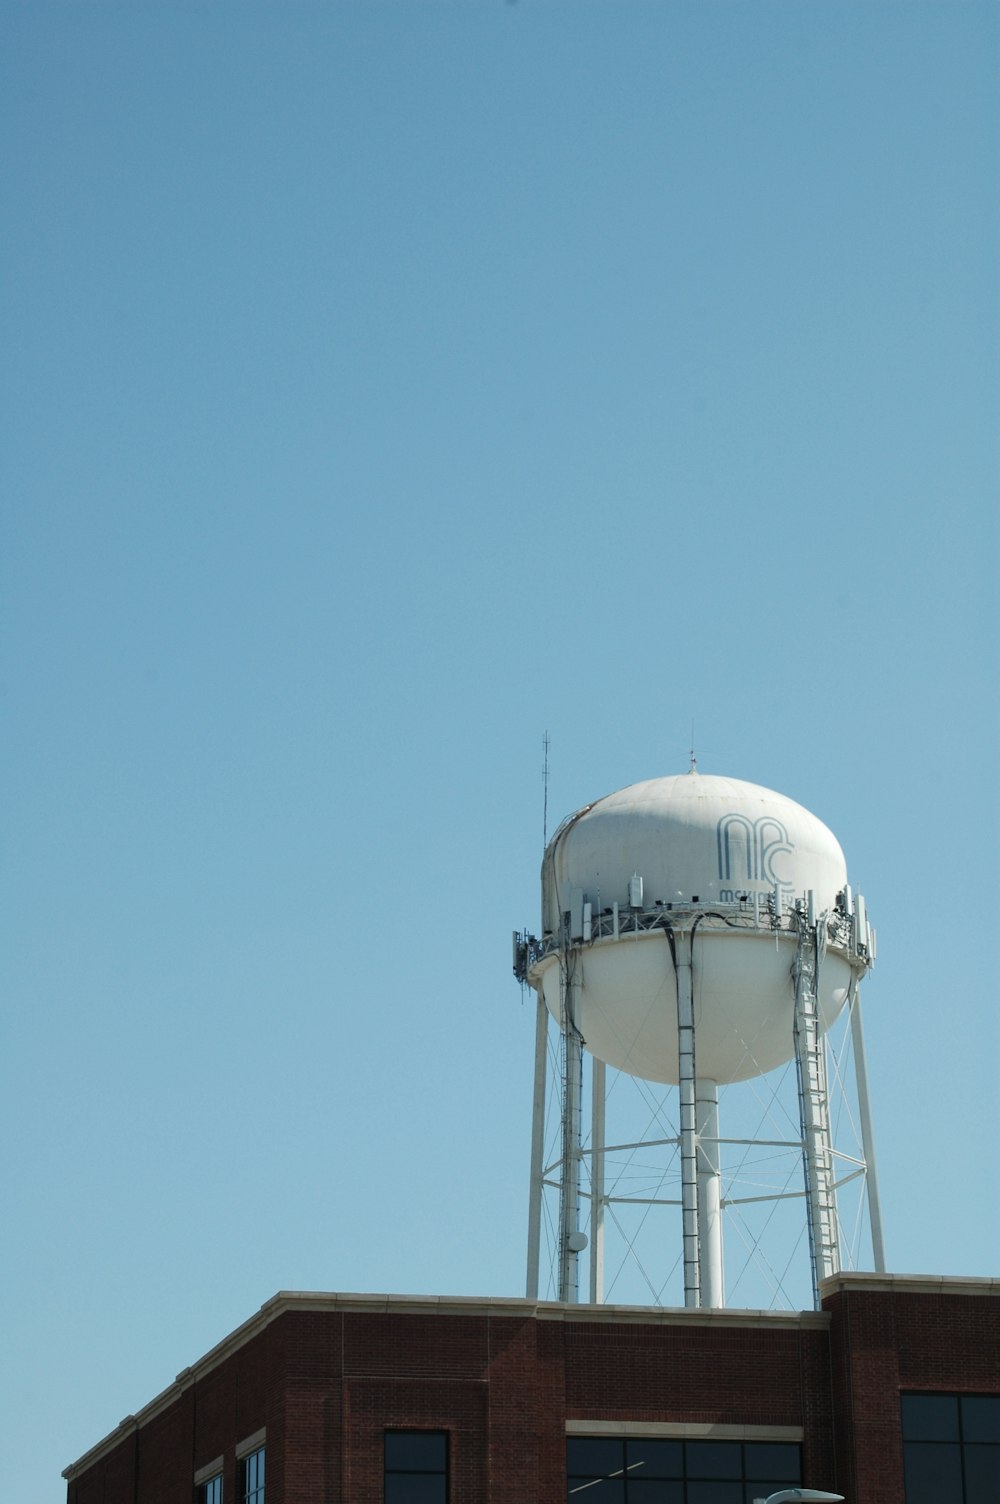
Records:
x=696, y=931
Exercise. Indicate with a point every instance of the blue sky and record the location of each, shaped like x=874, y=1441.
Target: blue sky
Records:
x=388, y=383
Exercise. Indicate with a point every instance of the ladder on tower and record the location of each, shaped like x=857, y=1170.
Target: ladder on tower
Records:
x=814, y=1105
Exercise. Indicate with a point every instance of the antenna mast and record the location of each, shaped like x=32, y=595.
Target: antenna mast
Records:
x=545, y=790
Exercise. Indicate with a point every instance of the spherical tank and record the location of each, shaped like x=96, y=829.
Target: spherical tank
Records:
x=723, y=860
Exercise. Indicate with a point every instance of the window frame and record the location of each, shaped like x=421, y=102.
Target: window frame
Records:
x=205, y=1479
x=206, y=1492
x=700, y=1467
x=253, y=1492
x=442, y=1472
x=921, y=1450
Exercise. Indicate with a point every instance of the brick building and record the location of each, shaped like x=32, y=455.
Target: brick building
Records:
x=890, y=1394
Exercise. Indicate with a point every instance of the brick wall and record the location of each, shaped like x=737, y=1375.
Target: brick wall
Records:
x=886, y=1341
x=327, y=1380
x=155, y=1462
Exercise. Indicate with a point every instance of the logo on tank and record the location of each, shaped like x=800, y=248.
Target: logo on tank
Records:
x=748, y=850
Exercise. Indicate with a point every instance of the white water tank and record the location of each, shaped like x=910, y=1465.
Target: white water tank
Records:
x=716, y=853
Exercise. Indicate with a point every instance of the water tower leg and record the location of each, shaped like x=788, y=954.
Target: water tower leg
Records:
x=688, y=1118
x=537, y=1149
x=713, y=1291
x=814, y=1111
x=598, y=1083
x=569, y=1189
x=867, y=1139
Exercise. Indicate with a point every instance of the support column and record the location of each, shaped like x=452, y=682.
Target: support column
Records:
x=537, y=1149
x=713, y=1290
x=571, y=1241
x=688, y=1118
x=867, y=1138
x=814, y=1113
x=597, y=1205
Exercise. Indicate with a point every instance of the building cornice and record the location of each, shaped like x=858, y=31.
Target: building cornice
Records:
x=496, y=1307
x=908, y=1284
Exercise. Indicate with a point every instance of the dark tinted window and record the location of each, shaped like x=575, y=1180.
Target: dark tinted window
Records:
x=416, y=1467
x=772, y=1459
x=714, y=1459
x=934, y=1473
x=980, y=1417
x=714, y=1491
x=655, y=1459
x=982, y=1474
x=654, y=1490
x=660, y=1470
x=594, y=1456
x=416, y=1488
x=951, y=1448
x=930, y=1417
x=600, y=1490
x=416, y=1451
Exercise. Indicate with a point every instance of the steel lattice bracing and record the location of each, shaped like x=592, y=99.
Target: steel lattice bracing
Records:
x=700, y=1187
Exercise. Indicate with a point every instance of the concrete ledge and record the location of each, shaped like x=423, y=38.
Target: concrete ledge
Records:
x=208, y=1471
x=909, y=1284
x=540, y=1310
x=691, y=1430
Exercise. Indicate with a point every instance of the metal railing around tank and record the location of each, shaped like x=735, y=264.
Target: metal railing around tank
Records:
x=845, y=930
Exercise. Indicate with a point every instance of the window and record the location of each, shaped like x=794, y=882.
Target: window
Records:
x=210, y=1492
x=660, y=1470
x=951, y=1448
x=252, y=1468
x=416, y=1467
